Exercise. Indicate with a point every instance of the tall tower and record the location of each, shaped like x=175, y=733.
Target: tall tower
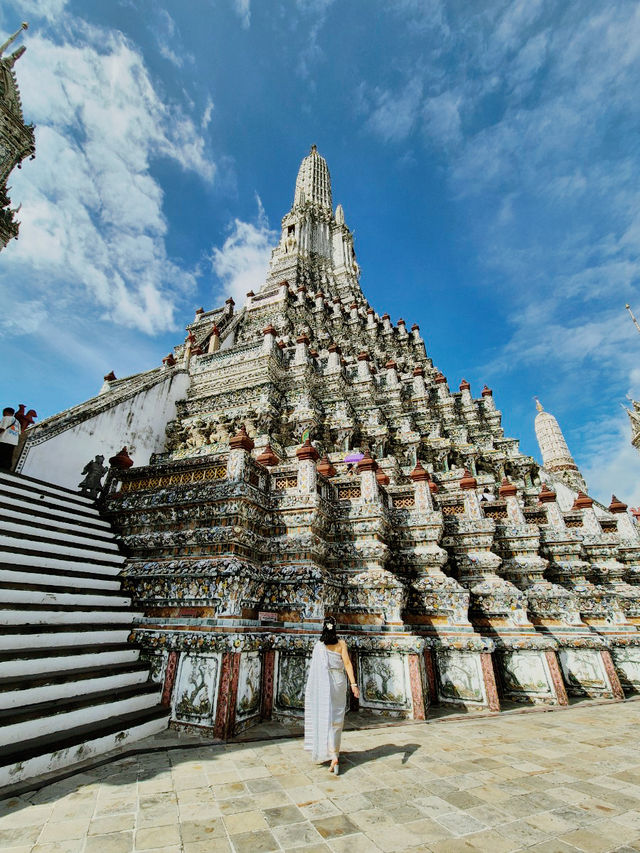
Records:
x=16, y=138
x=556, y=457
x=316, y=246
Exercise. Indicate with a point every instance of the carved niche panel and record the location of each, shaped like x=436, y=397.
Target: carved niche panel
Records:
x=384, y=682
x=525, y=674
x=460, y=677
x=196, y=689
x=291, y=681
x=583, y=671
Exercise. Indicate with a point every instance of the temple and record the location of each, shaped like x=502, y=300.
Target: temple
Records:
x=301, y=455
x=16, y=137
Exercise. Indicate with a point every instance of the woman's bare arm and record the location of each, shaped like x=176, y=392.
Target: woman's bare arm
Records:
x=344, y=651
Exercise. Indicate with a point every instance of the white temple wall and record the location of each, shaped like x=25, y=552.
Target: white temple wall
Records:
x=138, y=423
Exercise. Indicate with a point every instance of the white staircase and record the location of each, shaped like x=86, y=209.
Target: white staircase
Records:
x=70, y=684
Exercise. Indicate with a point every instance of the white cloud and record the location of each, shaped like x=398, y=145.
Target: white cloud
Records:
x=394, y=114
x=243, y=10
x=613, y=464
x=93, y=231
x=242, y=262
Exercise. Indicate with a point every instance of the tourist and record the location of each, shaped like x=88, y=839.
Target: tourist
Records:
x=9, y=435
x=325, y=696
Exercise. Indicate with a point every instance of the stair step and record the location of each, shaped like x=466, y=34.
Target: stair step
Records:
x=36, y=756
x=43, y=485
x=15, y=638
x=23, y=690
x=32, y=661
x=51, y=511
x=45, y=717
x=47, y=545
x=48, y=502
x=33, y=530
x=28, y=593
x=45, y=561
x=63, y=614
x=56, y=577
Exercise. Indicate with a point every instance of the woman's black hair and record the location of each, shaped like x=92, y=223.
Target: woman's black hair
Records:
x=329, y=636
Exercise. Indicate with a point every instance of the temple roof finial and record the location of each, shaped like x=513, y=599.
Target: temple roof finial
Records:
x=539, y=405
x=313, y=184
x=23, y=26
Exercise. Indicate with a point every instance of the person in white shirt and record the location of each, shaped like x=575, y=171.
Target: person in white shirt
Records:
x=9, y=435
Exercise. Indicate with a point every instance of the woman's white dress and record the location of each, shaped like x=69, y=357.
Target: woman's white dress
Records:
x=324, y=703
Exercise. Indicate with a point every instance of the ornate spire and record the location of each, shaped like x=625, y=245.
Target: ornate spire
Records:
x=313, y=184
x=16, y=138
x=556, y=457
x=23, y=26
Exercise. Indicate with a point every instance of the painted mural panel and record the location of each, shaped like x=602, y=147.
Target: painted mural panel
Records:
x=291, y=681
x=460, y=677
x=583, y=671
x=627, y=663
x=248, y=702
x=384, y=681
x=196, y=689
x=525, y=673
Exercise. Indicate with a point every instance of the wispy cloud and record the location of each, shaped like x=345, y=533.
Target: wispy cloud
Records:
x=242, y=262
x=243, y=10
x=93, y=229
x=533, y=110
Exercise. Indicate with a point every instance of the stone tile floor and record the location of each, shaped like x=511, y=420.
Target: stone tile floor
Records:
x=561, y=780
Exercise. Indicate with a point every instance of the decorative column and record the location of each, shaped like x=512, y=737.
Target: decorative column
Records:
x=364, y=371
x=227, y=696
x=419, y=389
x=169, y=678
x=214, y=340
x=319, y=300
x=422, y=488
x=402, y=330
x=417, y=693
x=369, y=491
x=371, y=319
x=307, y=474
x=188, y=346
x=487, y=398
x=441, y=386
x=240, y=446
x=469, y=484
x=386, y=323
x=509, y=494
x=269, y=340
x=268, y=671
x=302, y=350
x=392, y=374
x=334, y=365
x=626, y=528
x=489, y=677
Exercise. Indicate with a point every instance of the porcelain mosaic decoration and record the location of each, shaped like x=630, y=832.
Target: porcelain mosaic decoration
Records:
x=319, y=463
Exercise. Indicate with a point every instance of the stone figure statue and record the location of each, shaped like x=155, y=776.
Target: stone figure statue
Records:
x=94, y=471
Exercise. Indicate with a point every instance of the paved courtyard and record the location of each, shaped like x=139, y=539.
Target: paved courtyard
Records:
x=543, y=781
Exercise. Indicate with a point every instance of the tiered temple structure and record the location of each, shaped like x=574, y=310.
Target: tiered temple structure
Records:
x=319, y=463
x=16, y=138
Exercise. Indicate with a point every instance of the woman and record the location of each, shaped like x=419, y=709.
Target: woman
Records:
x=326, y=696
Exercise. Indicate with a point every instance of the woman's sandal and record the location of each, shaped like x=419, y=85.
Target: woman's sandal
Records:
x=335, y=768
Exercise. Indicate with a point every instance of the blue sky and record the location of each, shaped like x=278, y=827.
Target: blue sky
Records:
x=486, y=155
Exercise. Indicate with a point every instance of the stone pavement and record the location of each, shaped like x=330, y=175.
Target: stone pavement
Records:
x=561, y=780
